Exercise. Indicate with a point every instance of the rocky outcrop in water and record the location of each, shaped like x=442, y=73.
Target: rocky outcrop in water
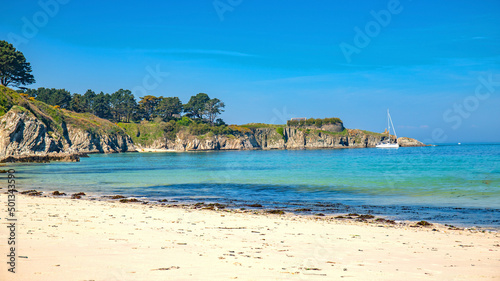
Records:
x=409, y=142
x=45, y=158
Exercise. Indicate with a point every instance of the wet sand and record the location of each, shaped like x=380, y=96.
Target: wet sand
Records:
x=71, y=239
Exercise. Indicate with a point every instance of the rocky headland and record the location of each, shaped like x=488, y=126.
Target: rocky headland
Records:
x=32, y=131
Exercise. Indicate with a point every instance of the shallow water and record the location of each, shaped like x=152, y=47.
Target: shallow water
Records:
x=452, y=184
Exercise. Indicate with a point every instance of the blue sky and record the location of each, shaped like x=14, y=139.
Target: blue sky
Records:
x=435, y=65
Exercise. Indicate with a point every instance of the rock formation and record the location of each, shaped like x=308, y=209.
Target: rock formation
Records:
x=269, y=138
x=36, y=132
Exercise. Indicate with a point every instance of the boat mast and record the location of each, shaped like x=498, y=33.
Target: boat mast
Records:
x=393, y=128
x=388, y=125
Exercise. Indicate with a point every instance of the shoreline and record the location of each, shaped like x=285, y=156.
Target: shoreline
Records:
x=155, y=150
x=338, y=211
x=68, y=239
x=75, y=156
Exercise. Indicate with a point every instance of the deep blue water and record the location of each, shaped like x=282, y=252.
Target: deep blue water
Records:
x=455, y=184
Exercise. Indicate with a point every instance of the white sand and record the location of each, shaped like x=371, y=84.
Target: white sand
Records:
x=155, y=150
x=66, y=239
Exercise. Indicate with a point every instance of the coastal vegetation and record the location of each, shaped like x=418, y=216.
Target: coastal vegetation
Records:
x=314, y=122
x=318, y=132
x=55, y=118
x=121, y=106
x=146, y=132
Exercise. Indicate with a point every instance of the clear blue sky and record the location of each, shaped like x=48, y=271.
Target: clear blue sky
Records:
x=272, y=60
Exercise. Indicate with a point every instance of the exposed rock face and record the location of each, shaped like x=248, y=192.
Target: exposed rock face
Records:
x=269, y=138
x=23, y=136
x=303, y=139
x=185, y=142
x=88, y=142
x=408, y=142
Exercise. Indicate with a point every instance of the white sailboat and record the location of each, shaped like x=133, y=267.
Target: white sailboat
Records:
x=387, y=143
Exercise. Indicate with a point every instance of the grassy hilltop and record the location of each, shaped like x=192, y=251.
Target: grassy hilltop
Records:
x=56, y=119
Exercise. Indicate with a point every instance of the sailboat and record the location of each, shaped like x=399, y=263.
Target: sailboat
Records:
x=387, y=143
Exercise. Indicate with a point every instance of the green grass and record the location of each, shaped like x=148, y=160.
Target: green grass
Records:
x=240, y=129
x=279, y=130
x=343, y=133
x=144, y=133
x=19, y=108
x=252, y=126
x=10, y=98
x=372, y=133
x=261, y=125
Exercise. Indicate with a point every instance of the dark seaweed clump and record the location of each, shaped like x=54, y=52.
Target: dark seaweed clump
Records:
x=77, y=195
x=277, y=212
x=423, y=223
x=255, y=205
x=32, y=192
x=57, y=193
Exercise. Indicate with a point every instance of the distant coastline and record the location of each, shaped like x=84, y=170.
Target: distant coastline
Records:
x=31, y=130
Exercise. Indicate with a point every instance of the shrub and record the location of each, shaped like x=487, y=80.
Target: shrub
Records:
x=279, y=130
x=157, y=120
x=219, y=122
x=199, y=129
x=170, y=128
x=221, y=130
x=316, y=122
x=240, y=129
x=185, y=121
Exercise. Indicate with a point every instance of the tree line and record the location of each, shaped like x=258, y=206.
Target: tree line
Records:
x=121, y=106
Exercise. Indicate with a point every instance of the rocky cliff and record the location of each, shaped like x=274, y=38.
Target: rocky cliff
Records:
x=31, y=129
x=34, y=131
x=269, y=138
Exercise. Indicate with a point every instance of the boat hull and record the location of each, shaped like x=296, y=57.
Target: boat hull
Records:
x=387, y=145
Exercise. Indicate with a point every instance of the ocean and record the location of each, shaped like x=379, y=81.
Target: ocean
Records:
x=452, y=184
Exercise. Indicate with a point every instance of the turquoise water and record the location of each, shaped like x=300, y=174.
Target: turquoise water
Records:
x=449, y=184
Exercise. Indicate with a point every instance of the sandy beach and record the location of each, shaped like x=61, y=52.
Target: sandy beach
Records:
x=69, y=239
x=156, y=150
